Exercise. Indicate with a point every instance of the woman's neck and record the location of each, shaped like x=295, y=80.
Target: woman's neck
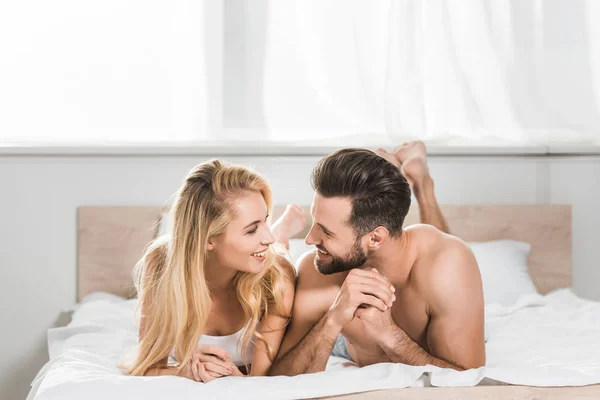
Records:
x=219, y=278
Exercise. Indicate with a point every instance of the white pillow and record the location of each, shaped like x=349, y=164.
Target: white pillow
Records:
x=502, y=264
x=504, y=272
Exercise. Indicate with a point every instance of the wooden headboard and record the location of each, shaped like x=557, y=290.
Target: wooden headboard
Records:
x=111, y=239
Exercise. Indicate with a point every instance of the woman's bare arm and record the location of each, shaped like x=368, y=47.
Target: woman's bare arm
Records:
x=273, y=326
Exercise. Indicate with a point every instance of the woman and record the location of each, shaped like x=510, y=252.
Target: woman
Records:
x=214, y=294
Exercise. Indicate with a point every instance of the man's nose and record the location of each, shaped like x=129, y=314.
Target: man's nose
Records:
x=310, y=238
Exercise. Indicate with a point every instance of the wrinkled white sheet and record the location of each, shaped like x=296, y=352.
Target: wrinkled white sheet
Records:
x=551, y=340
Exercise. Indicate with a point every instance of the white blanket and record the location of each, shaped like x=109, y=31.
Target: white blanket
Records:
x=551, y=340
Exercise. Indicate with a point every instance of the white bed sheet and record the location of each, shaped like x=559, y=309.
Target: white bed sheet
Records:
x=551, y=340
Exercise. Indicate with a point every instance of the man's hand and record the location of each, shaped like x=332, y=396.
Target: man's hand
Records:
x=378, y=325
x=368, y=288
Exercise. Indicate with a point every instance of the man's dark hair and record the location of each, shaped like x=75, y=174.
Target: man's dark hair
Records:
x=379, y=192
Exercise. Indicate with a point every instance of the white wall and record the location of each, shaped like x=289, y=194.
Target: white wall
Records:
x=40, y=196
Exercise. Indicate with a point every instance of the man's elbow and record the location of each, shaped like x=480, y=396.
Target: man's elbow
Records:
x=273, y=371
x=276, y=368
x=480, y=362
x=474, y=362
x=279, y=372
x=465, y=360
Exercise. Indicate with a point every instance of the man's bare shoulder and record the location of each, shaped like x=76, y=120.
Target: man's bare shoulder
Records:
x=429, y=242
x=425, y=234
x=445, y=263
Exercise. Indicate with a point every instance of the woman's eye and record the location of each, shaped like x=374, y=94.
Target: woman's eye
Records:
x=253, y=231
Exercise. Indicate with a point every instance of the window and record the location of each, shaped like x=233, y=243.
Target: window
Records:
x=299, y=71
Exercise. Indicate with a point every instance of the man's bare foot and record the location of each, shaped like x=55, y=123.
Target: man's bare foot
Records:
x=391, y=157
x=290, y=223
x=411, y=158
x=413, y=162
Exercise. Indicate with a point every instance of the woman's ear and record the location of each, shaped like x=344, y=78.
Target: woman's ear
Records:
x=210, y=246
x=378, y=236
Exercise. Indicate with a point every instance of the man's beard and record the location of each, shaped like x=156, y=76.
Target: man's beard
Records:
x=355, y=259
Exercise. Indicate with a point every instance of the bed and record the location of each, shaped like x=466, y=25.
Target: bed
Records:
x=544, y=345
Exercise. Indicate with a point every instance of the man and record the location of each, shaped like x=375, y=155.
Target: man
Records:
x=375, y=292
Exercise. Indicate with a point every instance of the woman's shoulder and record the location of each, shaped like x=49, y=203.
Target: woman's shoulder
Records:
x=283, y=259
x=289, y=283
x=287, y=267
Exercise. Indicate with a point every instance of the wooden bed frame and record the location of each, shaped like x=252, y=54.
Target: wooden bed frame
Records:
x=111, y=239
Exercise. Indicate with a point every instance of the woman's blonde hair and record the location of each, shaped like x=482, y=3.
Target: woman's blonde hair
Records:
x=170, y=277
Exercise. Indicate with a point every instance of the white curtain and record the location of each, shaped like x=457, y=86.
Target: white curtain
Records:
x=368, y=71
x=517, y=70
x=102, y=71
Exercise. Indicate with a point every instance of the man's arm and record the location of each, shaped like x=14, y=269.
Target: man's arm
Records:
x=453, y=290
x=456, y=329
x=303, y=352
x=400, y=348
x=312, y=352
x=302, y=346
x=394, y=342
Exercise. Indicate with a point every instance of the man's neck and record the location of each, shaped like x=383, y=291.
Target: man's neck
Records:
x=394, y=260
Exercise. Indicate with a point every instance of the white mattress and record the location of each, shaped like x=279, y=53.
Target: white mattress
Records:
x=551, y=340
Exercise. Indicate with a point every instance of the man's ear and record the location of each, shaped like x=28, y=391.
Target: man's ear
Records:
x=377, y=237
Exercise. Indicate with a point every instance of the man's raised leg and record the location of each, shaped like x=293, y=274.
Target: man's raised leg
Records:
x=411, y=158
x=288, y=224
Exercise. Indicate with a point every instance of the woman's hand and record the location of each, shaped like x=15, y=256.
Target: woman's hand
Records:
x=208, y=363
x=236, y=371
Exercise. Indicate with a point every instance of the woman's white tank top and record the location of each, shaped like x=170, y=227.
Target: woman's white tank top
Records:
x=228, y=343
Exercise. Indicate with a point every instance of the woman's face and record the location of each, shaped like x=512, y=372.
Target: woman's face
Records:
x=244, y=244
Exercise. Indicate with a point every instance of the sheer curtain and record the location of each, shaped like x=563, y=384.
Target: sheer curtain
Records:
x=516, y=70
x=371, y=72
x=103, y=71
